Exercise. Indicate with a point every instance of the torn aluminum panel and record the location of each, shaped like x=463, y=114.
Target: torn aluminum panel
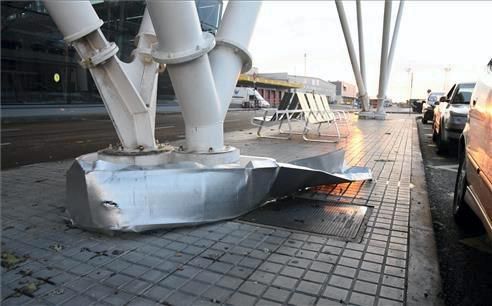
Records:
x=111, y=196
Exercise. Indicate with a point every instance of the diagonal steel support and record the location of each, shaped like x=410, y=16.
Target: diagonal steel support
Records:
x=353, y=58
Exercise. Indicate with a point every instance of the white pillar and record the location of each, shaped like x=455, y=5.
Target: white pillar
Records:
x=230, y=56
x=396, y=29
x=384, y=56
x=362, y=56
x=353, y=58
x=183, y=47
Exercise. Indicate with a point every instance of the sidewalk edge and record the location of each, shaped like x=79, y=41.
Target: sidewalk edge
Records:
x=424, y=280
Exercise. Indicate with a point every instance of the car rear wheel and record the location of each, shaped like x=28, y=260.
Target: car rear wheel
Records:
x=461, y=211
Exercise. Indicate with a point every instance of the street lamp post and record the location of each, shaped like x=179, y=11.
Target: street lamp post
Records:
x=446, y=71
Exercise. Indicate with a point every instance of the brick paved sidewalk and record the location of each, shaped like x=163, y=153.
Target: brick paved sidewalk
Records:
x=46, y=261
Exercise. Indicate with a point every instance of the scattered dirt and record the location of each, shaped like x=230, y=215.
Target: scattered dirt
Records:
x=11, y=260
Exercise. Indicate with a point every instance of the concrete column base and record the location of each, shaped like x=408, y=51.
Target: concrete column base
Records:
x=371, y=115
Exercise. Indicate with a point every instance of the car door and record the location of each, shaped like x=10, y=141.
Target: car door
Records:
x=439, y=109
x=479, y=146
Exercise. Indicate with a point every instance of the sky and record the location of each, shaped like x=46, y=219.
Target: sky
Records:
x=433, y=35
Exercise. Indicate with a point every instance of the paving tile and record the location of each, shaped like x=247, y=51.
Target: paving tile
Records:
x=285, y=282
x=316, y=277
x=234, y=282
x=392, y=293
x=179, y=298
x=270, y=267
x=217, y=295
x=309, y=287
x=299, y=262
x=321, y=267
x=173, y=281
x=349, y=262
x=241, y=299
x=335, y=293
x=386, y=302
x=302, y=299
x=79, y=300
x=139, y=301
x=361, y=299
x=345, y=271
x=276, y=294
x=366, y=287
x=194, y=287
x=118, y=298
x=240, y=272
x=394, y=281
x=252, y=288
x=343, y=282
x=263, y=302
x=157, y=293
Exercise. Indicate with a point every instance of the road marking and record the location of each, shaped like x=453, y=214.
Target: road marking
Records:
x=4, y=144
x=431, y=145
x=165, y=127
x=428, y=135
x=232, y=120
x=452, y=168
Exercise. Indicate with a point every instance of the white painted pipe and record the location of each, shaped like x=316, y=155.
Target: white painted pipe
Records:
x=74, y=19
x=384, y=55
x=230, y=56
x=183, y=47
x=353, y=58
x=362, y=56
x=396, y=29
x=119, y=84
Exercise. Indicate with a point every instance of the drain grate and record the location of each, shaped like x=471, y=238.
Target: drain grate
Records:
x=341, y=221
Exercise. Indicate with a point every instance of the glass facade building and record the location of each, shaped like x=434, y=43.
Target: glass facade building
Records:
x=38, y=67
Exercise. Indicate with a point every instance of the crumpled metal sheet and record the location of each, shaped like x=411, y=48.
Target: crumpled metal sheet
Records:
x=113, y=197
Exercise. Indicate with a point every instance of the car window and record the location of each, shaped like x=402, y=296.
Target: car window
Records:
x=433, y=97
x=450, y=92
x=463, y=95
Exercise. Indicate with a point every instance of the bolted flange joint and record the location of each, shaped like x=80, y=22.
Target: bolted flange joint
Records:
x=240, y=50
x=100, y=56
x=202, y=47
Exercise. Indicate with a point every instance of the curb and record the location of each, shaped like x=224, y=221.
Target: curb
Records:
x=424, y=280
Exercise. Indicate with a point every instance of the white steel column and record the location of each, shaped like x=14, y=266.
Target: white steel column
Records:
x=183, y=47
x=132, y=116
x=362, y=56
x=396, y=29
x=353, y=58
x=384, y=57
x=230, y=56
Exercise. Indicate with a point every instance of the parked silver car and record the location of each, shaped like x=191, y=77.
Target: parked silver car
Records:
x=428, y=106
x=450, y=115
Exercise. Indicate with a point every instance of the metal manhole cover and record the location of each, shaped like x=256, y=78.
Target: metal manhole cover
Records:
x=340, y=221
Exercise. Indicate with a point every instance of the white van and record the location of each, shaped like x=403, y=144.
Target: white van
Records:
x=246, y=96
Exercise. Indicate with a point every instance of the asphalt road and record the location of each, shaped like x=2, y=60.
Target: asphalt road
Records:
x=465, y=254
x=24, y=143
